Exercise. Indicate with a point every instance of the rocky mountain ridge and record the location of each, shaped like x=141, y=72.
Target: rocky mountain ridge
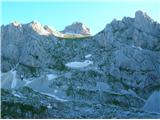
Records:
x=114, y=74
x=77, y=29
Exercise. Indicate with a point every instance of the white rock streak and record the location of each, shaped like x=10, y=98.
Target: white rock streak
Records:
x=16, y=95
x=27, y=81
x=54, y=96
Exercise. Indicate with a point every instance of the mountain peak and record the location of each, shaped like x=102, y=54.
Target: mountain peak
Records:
x=139, y=13
x=142, y=15
x=16, y=23
x=77, y=28
x=35, y=23
x=145, y=23
x=39, y=28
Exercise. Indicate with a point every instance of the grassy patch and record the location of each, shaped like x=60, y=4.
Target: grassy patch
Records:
x=70, y=37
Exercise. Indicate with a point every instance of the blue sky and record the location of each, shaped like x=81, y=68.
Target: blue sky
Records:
x=59, y=14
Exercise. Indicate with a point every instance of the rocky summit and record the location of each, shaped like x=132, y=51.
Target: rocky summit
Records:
x=77, y=28
x=113, y=74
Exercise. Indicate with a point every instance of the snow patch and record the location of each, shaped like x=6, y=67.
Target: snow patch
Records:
x=88, y=56
x=54, y=96
x=49, y=106
x=79, y=64
x=14, y=81
x=137, y=47
x=51, y=76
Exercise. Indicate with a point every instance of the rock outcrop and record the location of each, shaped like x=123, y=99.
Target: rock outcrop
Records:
x=153, y=104
x=26, y=44
x=146, y=24
x=77, y=28
x=134, y=46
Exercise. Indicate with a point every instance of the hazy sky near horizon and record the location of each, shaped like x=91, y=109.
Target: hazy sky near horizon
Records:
x=59, y=14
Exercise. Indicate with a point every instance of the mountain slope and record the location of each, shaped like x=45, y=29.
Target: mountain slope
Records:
x=109, y=75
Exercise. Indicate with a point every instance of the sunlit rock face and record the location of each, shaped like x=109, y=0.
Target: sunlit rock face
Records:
x=114, y=74
x=77, y=28
x=26, y=44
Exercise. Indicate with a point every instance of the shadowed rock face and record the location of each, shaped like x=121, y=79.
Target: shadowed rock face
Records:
x=77, y=28
x=115, y=81
x=25, y=44
x=145, y=23
x=153, y=104
x=135, y=47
